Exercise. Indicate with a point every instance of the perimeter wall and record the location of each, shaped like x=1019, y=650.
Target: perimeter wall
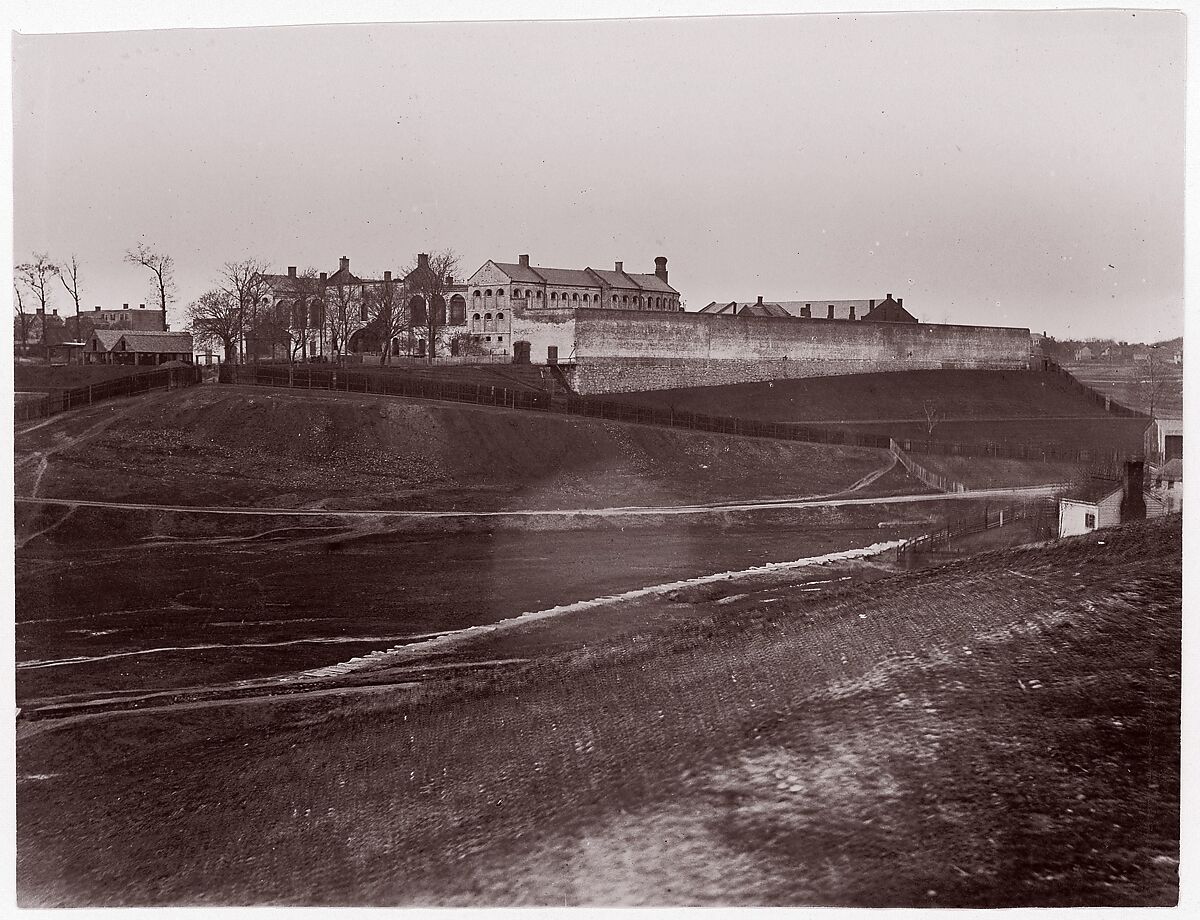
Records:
x=609, y=351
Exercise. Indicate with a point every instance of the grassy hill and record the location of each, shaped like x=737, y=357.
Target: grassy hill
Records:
x=40, y=377
x=1002, y=731
x=1026, y=407
x=231, y=445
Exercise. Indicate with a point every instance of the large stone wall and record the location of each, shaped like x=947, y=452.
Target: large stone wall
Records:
x=614, y=351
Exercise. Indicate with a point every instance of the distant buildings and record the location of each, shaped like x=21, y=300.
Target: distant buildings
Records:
x=140, y=319
x=887, y=310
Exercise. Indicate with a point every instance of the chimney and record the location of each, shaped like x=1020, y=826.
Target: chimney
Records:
x=760, y=300
x=387, y=277
x=141, y=306
x=291, y=271
x=97, y=309
x=324, y=277
x=344, y=264
x=422, y=260
x=900, y=301
x=55, y=312
x=852, y=311
x=524, y=260
x=889, y=296
x=1133, y=503
x=872, y=304
x=660, y=268
x=620, y=266
x=831, y=311
x=124, y=306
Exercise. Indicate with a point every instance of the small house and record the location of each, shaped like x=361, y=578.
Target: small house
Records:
x=1083, y=354
x=1103, y=502
x=130, y=346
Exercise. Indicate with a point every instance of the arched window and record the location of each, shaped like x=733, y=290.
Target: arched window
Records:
x=476, y=292
x=554, y=295
x=499, y=317
x=488, y=317
x=417, y=313
x=500, y=293
x=439, y=309
x=458, y=310
x=616, y=300
x=539, y=295
x=625, y=299
x=475, y=317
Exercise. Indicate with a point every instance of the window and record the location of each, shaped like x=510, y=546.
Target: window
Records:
x=499, y=317
x=539, y=295
x=475, y=317
x=615, y=301
x=574, y=296
x=487, y=293
x=487, y=338
x=476, y=293
x=553, y=295
x=1089, y=521
x=488, y=317
x=500, y=293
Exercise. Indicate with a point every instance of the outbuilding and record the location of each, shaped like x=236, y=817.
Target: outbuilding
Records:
x=1103, y=502
x=129, y=346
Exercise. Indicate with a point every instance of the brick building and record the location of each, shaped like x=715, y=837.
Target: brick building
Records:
x=886, y=310
x=142, y=319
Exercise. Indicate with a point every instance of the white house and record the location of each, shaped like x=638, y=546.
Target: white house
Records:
x=1096, y=505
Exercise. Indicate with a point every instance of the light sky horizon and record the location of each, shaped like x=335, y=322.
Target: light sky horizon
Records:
x=1011, y=168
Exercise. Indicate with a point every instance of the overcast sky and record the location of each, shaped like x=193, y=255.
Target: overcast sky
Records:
x=1020, y=168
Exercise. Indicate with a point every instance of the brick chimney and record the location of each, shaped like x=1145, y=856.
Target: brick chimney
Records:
x=831, y=311
x=141, y=306
x=620, y=266
x=852, y=316
x=124, y=306
x=1133, y=503
x=422, y=260
x=344, y=264
x=899, y=301
x=324, y=276
x=760, y=300
x=387, y=276
x=889, y=296
x=872, y=303
x=97, y=308
x=291, y=271
x=524, y=260
x=660, y=268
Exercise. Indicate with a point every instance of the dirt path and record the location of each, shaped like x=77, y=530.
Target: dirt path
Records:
x=630, y=510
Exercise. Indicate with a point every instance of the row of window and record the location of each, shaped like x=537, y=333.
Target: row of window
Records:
x=653, y=303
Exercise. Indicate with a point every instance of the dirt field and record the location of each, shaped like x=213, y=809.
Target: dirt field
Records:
x=974, y=407
x=889, y=747
x=1129, y=384
x=248, y=446
x=884, y=397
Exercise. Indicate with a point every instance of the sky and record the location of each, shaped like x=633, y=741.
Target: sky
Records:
x=1011, y=168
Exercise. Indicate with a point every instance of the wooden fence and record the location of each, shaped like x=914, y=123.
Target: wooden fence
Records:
x=1043, y=513
x=58, y=400
x=927, y=476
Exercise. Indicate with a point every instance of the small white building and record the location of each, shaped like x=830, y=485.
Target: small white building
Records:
x=1096, y=505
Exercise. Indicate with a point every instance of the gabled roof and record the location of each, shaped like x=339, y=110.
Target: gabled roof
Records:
x=1094, y=491
x=284, y=285
x=567, y=277
x=342, y=277
x=145, y=341
x=586, y=277
x=518, y=272
x=1172, y=469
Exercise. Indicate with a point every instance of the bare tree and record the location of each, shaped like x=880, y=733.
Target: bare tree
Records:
x=388, y=312
x=431, y=283
x=162, y=266
x=245, y=283
x=302, y=319
x=36, y=277
x=216, y=318
x=1151, y=387
x=23, y=319
x=933, y=415
x=70, y=279
x=344, y=309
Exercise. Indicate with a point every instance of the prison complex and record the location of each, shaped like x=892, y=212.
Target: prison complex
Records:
x=608, y=331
